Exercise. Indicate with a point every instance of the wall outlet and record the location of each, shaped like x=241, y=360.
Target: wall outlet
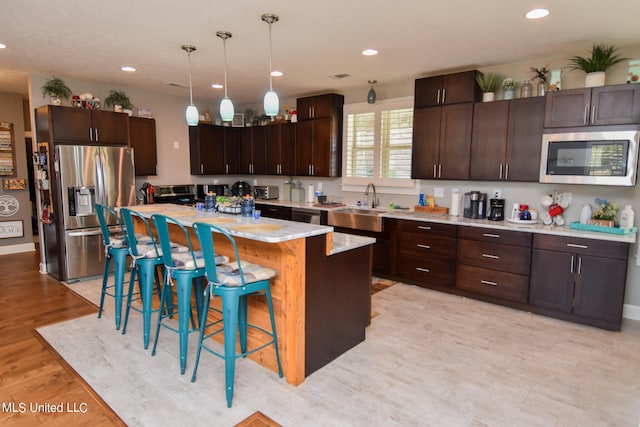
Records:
x=255, y=182
x=176, y=145
x=438, y=192
x=215, y=181
x=497, y=193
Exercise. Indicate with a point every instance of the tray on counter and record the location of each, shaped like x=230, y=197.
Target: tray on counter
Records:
x=612, y=230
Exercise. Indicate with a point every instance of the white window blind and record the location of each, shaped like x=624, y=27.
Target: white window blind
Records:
x=377, y=144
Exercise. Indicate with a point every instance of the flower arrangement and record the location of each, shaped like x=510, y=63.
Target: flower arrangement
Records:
x=541, y=74
x=508, y=84
x=606, y=213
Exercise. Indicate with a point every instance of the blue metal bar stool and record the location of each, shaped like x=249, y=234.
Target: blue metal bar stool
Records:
x=185, y=268
x=233, y=282
x=116, y=248
x=146, y=258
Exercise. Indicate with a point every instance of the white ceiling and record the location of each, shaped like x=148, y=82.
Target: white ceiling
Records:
x=92, y=39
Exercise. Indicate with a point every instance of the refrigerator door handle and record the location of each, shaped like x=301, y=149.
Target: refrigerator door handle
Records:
x=101, y=196
x=85, y=233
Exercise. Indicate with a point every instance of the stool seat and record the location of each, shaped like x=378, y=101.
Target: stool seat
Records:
x=233, y=282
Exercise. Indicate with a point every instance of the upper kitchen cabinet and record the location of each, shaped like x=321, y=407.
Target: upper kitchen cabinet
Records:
x=281, y=149
x=507, y=136
x=315, y=107
x=206, y=150
x=76, y=125
x=319, y=137
x=605, y=105
x=252, y=154
x=442, y=142
x=142, y=138
x=447, y=89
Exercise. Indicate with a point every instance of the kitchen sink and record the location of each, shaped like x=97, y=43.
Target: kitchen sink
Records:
x=358, y=219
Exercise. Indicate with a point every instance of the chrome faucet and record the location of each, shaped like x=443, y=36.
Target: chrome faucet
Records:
x=374, y=201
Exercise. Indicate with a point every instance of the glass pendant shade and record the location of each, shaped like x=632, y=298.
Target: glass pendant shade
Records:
x=371, y=96
x=226, y=109
x=192, y=115
x=271, y=103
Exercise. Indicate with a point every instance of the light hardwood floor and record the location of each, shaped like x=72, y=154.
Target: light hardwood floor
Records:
x=429, y=359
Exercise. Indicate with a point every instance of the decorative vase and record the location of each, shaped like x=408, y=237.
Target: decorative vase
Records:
x=594, y=79
x=543, y=87
x=55, y=100
x=488, y=96
x=509, y=93
x=526, y=90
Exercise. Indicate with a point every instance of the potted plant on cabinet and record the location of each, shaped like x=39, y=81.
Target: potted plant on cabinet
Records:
x=488, y=83
x=56, y=89
x=509, y=88
x=119, y=100
x=602, y=57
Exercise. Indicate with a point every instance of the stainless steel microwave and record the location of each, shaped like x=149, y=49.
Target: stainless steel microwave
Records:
x=596, y=157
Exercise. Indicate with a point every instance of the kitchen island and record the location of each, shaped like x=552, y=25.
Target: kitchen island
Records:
x=321, y=293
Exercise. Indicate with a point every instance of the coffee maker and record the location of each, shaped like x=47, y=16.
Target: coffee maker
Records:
x=475, y=205
x=496, y=210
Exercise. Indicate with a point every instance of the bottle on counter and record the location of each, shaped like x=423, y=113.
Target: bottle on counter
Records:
x=455, y=202
x=627, y=217
x=585, y=214
x=311, y=194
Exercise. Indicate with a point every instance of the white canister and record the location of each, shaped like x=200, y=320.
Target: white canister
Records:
x=627, y=217
x=311, y=194
x=585, y=214
x=455, y=202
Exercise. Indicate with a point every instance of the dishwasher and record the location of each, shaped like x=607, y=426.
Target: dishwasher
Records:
x=312, y=216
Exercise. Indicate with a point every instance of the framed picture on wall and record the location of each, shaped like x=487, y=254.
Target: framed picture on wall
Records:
x=7, y=150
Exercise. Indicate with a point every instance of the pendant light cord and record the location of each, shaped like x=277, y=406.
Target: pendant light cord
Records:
x=190, y=86
x=270, y=58
x=224, y=47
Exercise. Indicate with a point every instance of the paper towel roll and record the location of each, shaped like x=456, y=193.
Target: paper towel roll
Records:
x=311, y=194
x=455, y=202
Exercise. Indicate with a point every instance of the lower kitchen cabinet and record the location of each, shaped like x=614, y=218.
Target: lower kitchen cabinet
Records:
x=426, y=253
x=274, y=211
x=579, y=277
x=493, y=262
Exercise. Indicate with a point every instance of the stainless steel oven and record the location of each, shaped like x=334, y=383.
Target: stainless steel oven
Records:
x=597, y=157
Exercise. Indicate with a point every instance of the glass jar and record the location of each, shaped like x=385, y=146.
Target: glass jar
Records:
x=526, y=90
x=247, y=206
x=543, y=88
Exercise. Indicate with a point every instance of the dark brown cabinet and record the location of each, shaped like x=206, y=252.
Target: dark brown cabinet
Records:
x=252, y=150
x=493, y=262
x=206, y=150
x=506, y=140
x=580, y=277
x=274, y=211
x=142, y=138
x=442, y=142
x=77, y=125
x=281, y=149
x=606, y=105
x=319, y=136
x=426, y=253
x=447, y=89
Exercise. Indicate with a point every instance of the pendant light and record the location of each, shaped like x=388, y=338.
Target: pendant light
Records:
x=192, y=111
x=371, y=96
x=226, y=106
x=271, y=102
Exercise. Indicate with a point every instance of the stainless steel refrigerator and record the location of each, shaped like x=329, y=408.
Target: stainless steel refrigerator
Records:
x=83, y=176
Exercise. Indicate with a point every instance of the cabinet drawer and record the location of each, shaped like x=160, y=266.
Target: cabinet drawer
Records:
x=429, y=246
x=274, y=211
x=495, y=256
x=619, y=250
x=497, y=284
x=431, y=228
x=427, y=271
x=492, y=235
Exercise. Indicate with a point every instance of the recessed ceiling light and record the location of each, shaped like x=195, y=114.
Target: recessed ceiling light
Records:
x=369, y=52
x=2, y=45
x=217, y=86
x=128, y=68
x=536, y=13
x=276, y=73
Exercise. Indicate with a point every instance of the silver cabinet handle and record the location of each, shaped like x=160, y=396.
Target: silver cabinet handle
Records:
x=579, y=265
x=226, y=168
x=444, y=95
x=424, y=227
x=487, y=282
x=572, y=262
x=490, y=256
x=593, y=114
x=91, y=134
x=434, y=171
x=97, y=139
x=439, y=170
x=586, y=114
x=506, y=172
x=201, y=168
x=496, y=236
x=424, y=270
x=438, y=97
x=423, y=246
x=575, y=245
x=500, y=172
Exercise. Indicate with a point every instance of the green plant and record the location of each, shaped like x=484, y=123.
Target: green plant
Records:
x=118, y=97
x=602, y=57
x=540, y=73
x=489, y=82
x=509, y=83
x=56, y=87
x=607, y=211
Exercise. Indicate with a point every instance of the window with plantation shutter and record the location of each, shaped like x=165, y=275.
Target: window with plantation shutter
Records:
x=377, y=144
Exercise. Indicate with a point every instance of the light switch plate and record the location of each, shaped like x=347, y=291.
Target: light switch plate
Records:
x=438, y=192
x=176, y=145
